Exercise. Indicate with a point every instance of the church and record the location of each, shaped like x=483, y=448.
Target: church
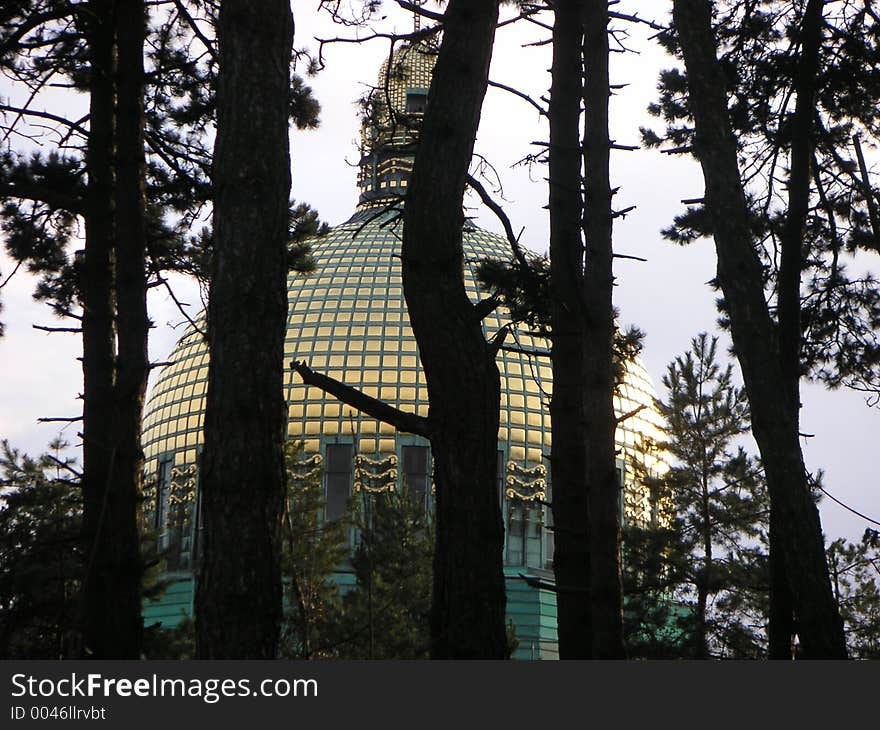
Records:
x=349, y=320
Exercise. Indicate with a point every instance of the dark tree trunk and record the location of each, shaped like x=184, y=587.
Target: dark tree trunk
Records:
x=704, y=580
x=570, y=498
x=110, y=598
x=781, y=618
x=238, y=596
x=467, y=616
x=131, y=312
x=606, y=589
x=758, y=342
x=780, y=623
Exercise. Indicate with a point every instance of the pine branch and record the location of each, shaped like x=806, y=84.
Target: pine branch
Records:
x=41, y=194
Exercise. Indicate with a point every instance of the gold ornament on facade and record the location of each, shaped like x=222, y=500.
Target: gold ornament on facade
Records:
x=375, y=475
x=306, y=469
x=526, y=483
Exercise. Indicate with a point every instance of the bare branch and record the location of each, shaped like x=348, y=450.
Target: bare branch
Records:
x=402, y=421
x=12, y=273
x=516, y=92
x=191, y=22
x=65, y=465
x=42, y=328
x=181, y=305
x=636, y=19
x=630, y=257
x=20, y=111
x=478, y=188
x=629, y=414
x=485, y=307
x=497, y=341
x=419, y=10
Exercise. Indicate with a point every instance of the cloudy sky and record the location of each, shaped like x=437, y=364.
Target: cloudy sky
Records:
x=667, y=296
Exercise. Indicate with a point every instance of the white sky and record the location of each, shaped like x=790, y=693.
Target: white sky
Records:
x=667, y=297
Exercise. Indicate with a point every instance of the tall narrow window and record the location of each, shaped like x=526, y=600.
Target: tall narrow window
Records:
x=338, y=470
x=417, y=473
x=515, y=534
x=163, y=487
x=533, y=529
x=416, y=101
x=524, y=535
x=549, y=536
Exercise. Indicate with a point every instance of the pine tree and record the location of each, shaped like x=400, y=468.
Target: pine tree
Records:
x=312, y=550
x=763, y=86
x=720, y=507
x=855, y=577
x=386, y=614
x=41, y=561
x=654, y=564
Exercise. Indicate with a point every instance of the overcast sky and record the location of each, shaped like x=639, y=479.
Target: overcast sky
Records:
x=667, y=297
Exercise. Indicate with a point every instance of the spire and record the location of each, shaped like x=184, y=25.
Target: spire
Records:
x=417, y=19
x=389, y=132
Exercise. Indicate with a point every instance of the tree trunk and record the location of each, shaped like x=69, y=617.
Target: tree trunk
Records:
x=704, y=581
x=757, y=341
x=131, y=310
x=781, y=618
x=571, y=556
x=107, y=614
x=238, y=595
x=606, y=589
x=780, y=623
x=467, y=616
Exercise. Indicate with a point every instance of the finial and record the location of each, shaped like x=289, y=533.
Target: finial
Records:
x=417, y=19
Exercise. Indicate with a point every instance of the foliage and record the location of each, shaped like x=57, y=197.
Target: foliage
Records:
x=312, y=551
x=759, y=48
x=40, y=555
x=43, y=193
x=696, y=584
x=176, y=643
x=855, y=577
x=386, y=615
x=652, y=568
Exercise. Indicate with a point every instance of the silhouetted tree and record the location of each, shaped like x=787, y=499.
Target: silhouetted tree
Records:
x=763, y=82
x=238, y=595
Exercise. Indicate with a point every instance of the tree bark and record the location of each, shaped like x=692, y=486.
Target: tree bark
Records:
x=238, y=595
x=467, y=615
x=704, y=579
x=780, y=619
x=570, y=497
x=757, y=341
x=131, y=309
x=111, y=624
x=606, y=589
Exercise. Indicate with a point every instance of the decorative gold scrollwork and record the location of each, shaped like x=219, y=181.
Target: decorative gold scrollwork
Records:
x=305, y=469
x=525, y=483
x=182, y=484
x=375, y=475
